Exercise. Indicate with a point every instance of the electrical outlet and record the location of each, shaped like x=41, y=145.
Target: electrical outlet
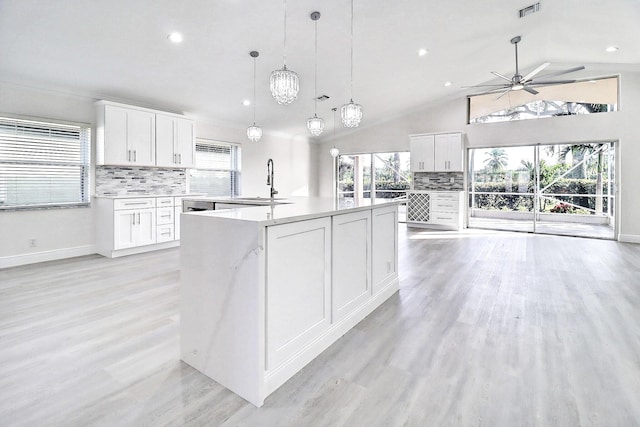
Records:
x=32, y=243
x=452, y=180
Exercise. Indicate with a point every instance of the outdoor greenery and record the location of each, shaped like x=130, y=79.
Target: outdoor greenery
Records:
x=392, y=175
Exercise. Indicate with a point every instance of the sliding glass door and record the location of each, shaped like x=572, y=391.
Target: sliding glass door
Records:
x=563, y=189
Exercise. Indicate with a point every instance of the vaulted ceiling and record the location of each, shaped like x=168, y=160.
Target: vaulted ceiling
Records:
x=118, y=50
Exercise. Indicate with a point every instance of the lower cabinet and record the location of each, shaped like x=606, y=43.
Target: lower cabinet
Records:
x=437, y=209
x=351, y=258
x=130, y=225
x=384, y=247
x=298, y=286
x=134, y=227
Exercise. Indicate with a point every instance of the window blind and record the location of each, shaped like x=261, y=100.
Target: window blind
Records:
x=217, y=171
x=43, y=164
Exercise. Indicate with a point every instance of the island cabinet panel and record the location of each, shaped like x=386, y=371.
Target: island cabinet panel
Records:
x=351, y=262
x=297, y=286
x=384, y=248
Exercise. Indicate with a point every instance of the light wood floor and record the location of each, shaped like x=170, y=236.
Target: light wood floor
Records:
x=488, y=329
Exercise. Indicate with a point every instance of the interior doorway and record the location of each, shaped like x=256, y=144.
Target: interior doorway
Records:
x=563, y=189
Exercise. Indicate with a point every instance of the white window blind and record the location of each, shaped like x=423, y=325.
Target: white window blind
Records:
x=43, y=164
x=217, y=171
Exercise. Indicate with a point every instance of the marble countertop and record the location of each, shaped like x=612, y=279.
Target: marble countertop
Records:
x=140, y=196
x=298, y=209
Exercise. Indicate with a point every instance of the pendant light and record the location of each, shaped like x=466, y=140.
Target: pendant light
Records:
x=334, y=151
x=351, y=113
x=254, y=133
x=315, y=124
x=284, y=83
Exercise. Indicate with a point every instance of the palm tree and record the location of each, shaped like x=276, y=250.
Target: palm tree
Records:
x=496, y=160
x=579, y=152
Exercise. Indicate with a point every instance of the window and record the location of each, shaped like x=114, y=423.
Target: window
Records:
x=217, y=171
x=582, y=97
x=43, y=164
x=391, y=176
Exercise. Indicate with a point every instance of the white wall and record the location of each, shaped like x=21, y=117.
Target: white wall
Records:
x=70, y=232
x=451, y=116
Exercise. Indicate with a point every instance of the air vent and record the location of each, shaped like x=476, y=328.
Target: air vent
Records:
x=322, y=98
x=529, y=10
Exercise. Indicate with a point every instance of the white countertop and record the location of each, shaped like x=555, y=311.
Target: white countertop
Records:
x=300, y=208
x=140, y=196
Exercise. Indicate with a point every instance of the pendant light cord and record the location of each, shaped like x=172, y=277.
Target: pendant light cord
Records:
x=254, y=91
x=315, y=90
x=352, y=50
x=285, y=34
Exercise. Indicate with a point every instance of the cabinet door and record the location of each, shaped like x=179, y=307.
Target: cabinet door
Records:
x=165, y=140
x=384, y=249
x=146, y=227
x=141, y=137
x=421, y=147
x=185, y=142
x=116, y=151
x=298, y=282
x=176, y=223
x=455, y=152
x=351, y=272
x=441, y=153
x=125, y=229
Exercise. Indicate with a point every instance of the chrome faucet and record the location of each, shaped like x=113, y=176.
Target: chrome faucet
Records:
x=270, y=177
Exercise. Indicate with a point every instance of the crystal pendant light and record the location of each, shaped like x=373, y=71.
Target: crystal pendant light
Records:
x=334, y=151
x=315, y=124
x=254, y=133
x=284, y=83
x=351, y=113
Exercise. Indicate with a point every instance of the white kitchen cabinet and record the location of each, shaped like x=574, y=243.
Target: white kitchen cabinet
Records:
x=297, y=287
x=437, y=209
x=126, y=136
x=421, y=147
x=131, y=225
x=175, y=141
x=384, y=247
x=134, y=227
x=351, y=262
x=176, y=221
x=448, y=152
x=436, y=152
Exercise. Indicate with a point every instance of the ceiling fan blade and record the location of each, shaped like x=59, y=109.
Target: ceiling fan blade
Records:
x=501, y=76
x=549, y=82
x=503, y=93
x=530, y=90
x=536, y=71
x=500, y=85
x=561, y=72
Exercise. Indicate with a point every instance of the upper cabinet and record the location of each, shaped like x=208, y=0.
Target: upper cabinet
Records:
x=174, y=141
x=421, y=147
x=135, y=136
x=436, y=152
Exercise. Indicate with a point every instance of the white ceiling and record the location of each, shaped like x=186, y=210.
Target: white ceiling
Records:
x=118, y=50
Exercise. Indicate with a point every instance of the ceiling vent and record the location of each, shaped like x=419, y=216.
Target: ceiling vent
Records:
x=529, y=10
x=322, y=98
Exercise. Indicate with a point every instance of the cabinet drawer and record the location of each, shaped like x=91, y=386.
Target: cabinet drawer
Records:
x=165, y=215
x=451, y=197
x=438, y=205
x=165, y=233
x=120, y=204
x=164, y=201
x=445, y=218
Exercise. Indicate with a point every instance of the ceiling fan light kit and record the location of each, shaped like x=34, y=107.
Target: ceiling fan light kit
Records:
x=526, y=83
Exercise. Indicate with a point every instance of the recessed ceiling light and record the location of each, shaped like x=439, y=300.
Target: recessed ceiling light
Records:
x=246, y=102
x=447, y=84
x=422, y=52
x=612, y=48
x=593, y=81
x=175, y=37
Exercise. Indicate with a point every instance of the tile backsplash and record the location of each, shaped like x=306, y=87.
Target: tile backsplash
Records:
x=132, y=180
x=438, y=181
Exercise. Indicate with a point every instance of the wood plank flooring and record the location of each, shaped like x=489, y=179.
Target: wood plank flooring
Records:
x=488, y=329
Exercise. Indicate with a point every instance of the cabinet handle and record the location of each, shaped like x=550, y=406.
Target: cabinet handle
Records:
x=135, y=157
x=138, y=218
x=179, y=159
x=134, y=219
x=134, y=203
x=128, y=155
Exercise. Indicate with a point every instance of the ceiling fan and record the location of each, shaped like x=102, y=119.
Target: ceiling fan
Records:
x=518, y=82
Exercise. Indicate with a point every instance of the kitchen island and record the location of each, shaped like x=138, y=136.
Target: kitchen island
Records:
x=266, y=289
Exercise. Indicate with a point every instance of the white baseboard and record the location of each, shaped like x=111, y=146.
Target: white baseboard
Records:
x=629, y=238
x=16, y=260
